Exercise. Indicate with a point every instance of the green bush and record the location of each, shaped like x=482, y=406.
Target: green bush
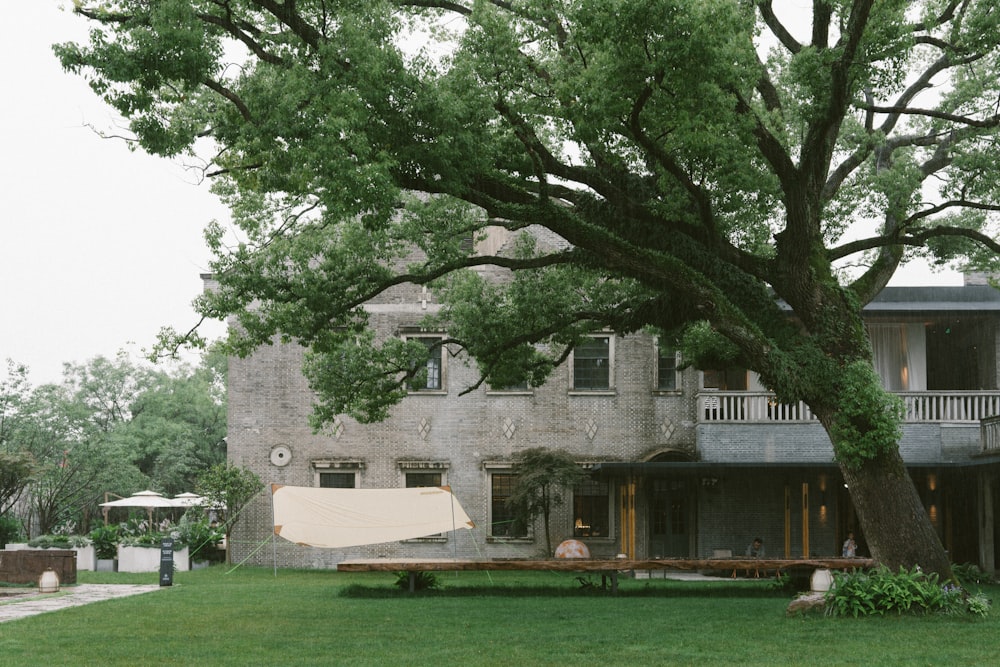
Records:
x=879, y=592
x=969, y=574
x=422, y=581
x=105, y=541
x=50, y=542
x=202, y=539
x=153, y=539
x=10, y=530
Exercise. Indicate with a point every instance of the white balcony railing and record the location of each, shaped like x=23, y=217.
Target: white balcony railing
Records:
x=921, y=406
x=990, y=428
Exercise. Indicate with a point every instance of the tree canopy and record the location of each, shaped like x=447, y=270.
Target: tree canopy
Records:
x=110, y=426
x=693, y=167
x=226, y=489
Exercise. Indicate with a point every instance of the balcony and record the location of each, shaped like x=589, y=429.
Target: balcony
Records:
x=921, y=406
x=991, y=434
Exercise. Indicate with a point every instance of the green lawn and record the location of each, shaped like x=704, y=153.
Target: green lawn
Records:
x=250, y=617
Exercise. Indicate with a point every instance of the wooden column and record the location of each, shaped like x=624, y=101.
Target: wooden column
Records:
x=805, y=519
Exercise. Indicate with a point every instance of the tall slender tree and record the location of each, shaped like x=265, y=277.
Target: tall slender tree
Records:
x=705, y=168
x=542, y=478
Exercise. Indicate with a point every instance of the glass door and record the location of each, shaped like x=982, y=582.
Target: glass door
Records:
x=669, y=530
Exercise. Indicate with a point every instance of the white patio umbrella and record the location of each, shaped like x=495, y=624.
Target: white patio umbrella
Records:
x=150, y=500
x=188, y=499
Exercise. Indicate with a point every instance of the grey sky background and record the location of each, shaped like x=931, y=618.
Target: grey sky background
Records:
x=99, y=246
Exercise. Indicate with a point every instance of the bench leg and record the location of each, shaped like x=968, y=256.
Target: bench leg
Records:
x=413, y=581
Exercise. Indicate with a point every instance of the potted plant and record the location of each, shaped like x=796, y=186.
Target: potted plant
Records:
x=105, y=541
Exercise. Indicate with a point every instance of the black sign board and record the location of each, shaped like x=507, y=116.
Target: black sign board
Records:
x=167, y=561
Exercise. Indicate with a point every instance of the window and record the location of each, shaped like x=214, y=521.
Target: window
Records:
x=337, y=473
x=337, y=480
x=667, y=374
x=730, y=379
x=432, y=376
x=422, y=479
x=417, y=480
x=591, y=503
x=592, y=364
x=517, y=387
x=503, y=520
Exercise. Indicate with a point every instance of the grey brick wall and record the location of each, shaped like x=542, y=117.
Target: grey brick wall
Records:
x=269, y=405
x=270, y=402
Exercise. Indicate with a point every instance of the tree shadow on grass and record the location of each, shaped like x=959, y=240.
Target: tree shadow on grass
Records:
x=582, y=588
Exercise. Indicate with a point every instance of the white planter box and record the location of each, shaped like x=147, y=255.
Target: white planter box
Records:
x=16, y=546
x=86, y=558
x=147, y=559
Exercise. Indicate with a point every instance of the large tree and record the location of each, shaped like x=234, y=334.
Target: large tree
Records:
x=17, y=467
x=705, y=167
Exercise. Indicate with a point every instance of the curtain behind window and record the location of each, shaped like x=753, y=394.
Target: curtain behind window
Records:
x=900, y=352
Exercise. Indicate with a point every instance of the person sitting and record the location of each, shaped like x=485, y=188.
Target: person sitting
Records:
x=756, y=548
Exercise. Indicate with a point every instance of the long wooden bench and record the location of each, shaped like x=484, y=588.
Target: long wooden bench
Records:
x=606, y=567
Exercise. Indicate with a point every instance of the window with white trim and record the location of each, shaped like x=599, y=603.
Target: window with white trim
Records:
x=338, y=480
x=424, y=479
x=417, y=478
x=504, y=522
x=431, y=376
x=592, y=363
x=668, y=377
x=591, y=509
x=336, y=473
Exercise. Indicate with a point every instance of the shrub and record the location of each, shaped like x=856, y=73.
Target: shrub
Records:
x=969, y=574
x=881, y=591
x=422, y=581
x=202, y=538
x=152, y=539
x=10, y=530
x=105, y=540
x=979, y=605
x=50, y=542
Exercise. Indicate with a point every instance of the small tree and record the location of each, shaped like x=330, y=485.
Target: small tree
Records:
x=16, y=471
x=228, y=489
x=542, y=475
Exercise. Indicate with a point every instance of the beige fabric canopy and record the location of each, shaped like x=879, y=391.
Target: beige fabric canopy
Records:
x=352, y=517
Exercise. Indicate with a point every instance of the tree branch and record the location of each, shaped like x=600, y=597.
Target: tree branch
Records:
x=776, y=27
x=917, y=238
x=231, y=96
x=989, y=122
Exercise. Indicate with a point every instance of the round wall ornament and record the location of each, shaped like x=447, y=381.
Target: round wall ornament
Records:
x=281, y=456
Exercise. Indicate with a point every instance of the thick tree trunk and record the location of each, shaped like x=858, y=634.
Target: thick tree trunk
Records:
x=895, y=524
x=863, y=421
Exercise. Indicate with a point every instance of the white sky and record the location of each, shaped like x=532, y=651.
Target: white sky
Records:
x=99, y=246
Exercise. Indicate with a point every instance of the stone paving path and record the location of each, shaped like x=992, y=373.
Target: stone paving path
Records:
x=70, y=596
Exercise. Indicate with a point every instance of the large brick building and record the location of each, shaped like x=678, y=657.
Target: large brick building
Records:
x=683, y=462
